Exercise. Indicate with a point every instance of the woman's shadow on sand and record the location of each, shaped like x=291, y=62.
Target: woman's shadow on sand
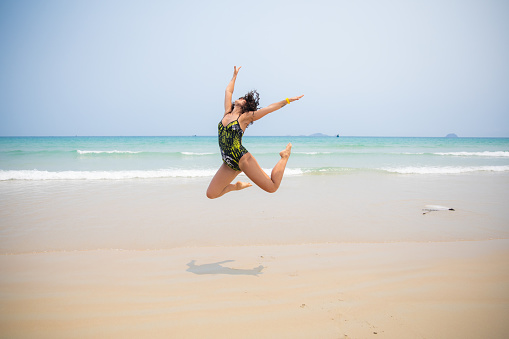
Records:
x=217, y=268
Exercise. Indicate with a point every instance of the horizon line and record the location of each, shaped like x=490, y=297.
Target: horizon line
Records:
x=269, y=136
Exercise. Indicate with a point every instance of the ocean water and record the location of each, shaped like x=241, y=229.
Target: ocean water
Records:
x=118, y=158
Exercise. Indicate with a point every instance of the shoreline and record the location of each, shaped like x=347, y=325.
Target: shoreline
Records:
x=240, y=246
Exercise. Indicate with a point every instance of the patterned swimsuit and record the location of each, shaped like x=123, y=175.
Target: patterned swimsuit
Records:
x=230, y=143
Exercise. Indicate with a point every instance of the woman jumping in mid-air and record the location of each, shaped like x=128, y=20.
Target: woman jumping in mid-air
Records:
x=236, y=158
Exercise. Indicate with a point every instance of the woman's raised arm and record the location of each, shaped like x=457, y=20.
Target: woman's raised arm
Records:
x=256, y=115
x=229, y=91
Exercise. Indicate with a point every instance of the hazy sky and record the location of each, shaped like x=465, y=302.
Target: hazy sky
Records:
x=366, y=68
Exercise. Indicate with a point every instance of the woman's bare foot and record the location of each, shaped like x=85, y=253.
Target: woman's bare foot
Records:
x=239, y=185
x=285, y=154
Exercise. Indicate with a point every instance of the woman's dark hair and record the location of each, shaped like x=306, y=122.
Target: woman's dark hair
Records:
x=252, y=101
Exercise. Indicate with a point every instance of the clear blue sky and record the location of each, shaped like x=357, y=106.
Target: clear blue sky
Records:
x=367, y=68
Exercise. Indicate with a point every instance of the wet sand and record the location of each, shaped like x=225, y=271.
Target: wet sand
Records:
x=163, y=214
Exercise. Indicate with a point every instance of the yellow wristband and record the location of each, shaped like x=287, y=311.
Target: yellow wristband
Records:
x=288, y=101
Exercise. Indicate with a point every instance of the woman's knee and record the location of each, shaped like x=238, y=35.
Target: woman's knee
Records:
x=211, y=194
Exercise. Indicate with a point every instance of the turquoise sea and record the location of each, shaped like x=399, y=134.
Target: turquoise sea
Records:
x=116, y=158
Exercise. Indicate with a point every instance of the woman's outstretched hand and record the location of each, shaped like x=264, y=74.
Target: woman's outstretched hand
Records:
x=295, y=98
x=236, y=70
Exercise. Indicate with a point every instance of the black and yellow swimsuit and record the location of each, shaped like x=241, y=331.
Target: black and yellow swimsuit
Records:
x=230, y=143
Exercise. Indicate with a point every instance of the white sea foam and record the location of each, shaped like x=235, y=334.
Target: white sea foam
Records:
x=104, y=175
x=106, y=152
x=477, y=154
x=195, y=153
x=118, y=175
x=313, y=153
x=499, y=154
x=445, y=170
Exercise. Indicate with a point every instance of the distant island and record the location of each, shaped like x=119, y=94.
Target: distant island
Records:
x=451, y=135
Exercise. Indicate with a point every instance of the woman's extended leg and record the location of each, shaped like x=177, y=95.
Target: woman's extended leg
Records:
x=221, y=183
x=252, y=169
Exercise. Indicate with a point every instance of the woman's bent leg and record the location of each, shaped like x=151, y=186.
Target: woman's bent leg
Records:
x=252, y=169
x=221, y=183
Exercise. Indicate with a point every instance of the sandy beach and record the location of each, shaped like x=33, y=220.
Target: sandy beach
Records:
x=392, y=290
x=353, y=258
